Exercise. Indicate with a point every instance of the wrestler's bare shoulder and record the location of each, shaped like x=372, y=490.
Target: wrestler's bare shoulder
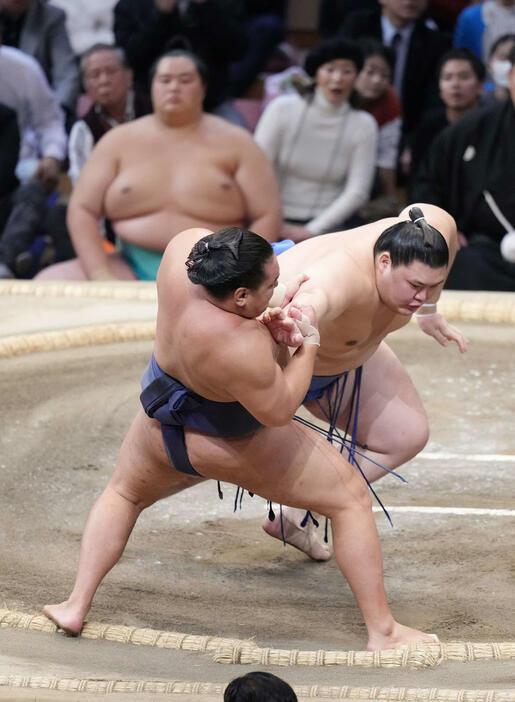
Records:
x=217, y=131
x=121, y=133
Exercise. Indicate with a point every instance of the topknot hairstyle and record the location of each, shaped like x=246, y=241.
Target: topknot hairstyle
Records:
x=230, y=258
x=258, y=686
x=180, y=46
x=414, y=240
x=331, y=50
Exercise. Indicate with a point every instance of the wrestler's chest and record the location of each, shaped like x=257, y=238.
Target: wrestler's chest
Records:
x=168, y=182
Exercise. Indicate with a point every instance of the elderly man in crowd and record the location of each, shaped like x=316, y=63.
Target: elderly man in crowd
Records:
x=163, y=173
x=107, y=79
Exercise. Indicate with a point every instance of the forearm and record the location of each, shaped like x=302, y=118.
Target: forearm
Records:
x=297, y=376
x=268, y=225
x=87, y=241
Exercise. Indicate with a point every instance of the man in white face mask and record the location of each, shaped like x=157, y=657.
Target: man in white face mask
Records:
x=479, y=26
x=499, y=66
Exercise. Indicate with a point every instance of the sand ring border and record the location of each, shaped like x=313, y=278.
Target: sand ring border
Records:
x=390, y=694
x=470, y=306
x=247, y=652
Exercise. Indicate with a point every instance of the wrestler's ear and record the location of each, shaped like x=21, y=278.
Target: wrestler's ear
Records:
x=241, y=297
x=384, y=261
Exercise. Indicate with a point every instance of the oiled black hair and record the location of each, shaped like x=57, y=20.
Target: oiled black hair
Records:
x=259, y=687
x=179, y=46
x=413, y=240
x=230, y=258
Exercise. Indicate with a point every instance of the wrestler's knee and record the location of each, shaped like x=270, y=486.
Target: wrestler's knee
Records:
x=417, y=439
x=355, y=495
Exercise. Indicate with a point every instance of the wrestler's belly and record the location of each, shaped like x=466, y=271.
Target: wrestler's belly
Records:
x=156, y=229
x=149, y=208
x=331, y=363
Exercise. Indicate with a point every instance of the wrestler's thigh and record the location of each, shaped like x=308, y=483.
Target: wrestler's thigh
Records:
x=292, y=465
x=143, y=472
x=391, y=414
x=73, y=270
x=66, y=270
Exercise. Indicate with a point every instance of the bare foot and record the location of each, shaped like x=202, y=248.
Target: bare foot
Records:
x=305, y=538
x=400, y=636
x=65, y=618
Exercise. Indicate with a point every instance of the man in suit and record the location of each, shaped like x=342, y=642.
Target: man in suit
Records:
x=418, y=48
x=38, y=29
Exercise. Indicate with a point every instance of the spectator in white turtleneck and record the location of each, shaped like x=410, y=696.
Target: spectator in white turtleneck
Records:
x=322, y=148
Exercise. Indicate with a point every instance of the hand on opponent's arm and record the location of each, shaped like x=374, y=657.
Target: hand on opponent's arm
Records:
x=293, y=328
x=438, y=327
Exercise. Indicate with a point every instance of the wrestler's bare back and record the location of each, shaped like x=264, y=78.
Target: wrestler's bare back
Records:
x=352, y=319
x=162, y=180
x=193, y=335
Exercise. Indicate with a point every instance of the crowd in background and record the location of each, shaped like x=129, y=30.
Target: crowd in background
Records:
x=393, y=101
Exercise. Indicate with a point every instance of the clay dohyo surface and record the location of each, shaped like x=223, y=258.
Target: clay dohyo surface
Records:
x=192, y=565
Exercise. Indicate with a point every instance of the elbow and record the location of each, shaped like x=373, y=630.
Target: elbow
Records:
x=277, y=418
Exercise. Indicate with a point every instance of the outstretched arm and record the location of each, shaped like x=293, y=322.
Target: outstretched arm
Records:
x=433, y=324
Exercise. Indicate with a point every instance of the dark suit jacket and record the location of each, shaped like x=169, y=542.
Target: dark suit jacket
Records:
x=213, y=29
x=475, y=153
x=419, y=85
x=44, y=37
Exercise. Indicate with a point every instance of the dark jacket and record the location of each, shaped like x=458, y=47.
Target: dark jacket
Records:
x=213, y=29
x=419, y=85
x=474, y=154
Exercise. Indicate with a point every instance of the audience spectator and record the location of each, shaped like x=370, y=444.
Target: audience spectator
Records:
x=480, y=25
x=461, y=78
x=375, y=94
x=213, y=29
x=259, y=687
x=88, y=22
x=108, y=83
x=264, y=31
x=38, y=29
x=496, y=88
x=25, y=90
x=470, y=171
x=160, y=174
x=417, y=46
x=322, y=148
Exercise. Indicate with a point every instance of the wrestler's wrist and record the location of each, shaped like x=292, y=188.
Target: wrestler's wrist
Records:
x=312, y=337
x=428, y=309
